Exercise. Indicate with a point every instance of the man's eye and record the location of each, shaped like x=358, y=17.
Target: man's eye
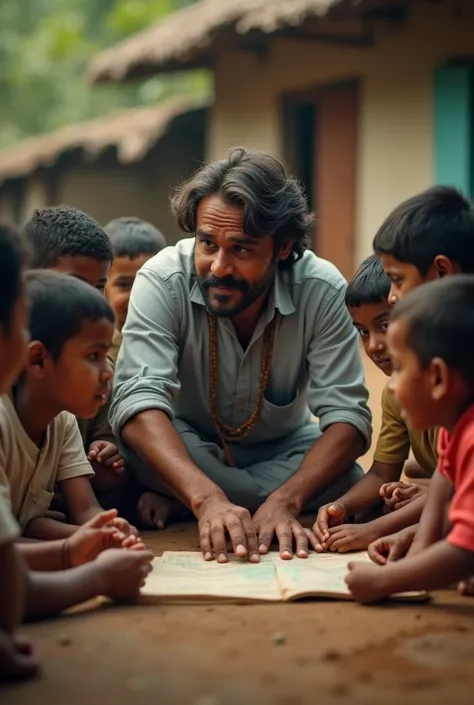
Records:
x=384, y=326
x=363, y=332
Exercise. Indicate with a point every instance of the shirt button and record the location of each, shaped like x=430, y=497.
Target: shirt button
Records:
x=240, y=408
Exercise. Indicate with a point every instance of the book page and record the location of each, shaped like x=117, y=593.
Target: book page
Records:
x=321, y=574
x=181, y=576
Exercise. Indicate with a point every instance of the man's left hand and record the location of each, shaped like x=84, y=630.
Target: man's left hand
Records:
x=275, y=517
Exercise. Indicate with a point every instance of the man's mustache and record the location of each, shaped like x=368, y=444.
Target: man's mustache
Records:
x=227, y=282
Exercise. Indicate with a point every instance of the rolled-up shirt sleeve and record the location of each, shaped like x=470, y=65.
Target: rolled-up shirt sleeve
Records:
x=337, y=391
x=146, y=375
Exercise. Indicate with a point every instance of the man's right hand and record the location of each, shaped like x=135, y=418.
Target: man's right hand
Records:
x=218, y=517
x=329, y=515
x=123, y=573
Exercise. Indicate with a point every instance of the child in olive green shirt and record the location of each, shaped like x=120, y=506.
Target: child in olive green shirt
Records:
x=366, y=299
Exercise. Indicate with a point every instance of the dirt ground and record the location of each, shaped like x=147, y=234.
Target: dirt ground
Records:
x=293, y=654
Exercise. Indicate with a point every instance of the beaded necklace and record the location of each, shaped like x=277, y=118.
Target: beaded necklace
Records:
x=227, y=433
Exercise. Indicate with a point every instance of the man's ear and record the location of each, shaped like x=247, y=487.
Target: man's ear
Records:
x=285, y=249
x=444, y=267
x=440, y=378
x=36, y=359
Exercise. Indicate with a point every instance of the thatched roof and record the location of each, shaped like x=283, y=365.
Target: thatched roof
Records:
x=187, y=38
x=133, y=132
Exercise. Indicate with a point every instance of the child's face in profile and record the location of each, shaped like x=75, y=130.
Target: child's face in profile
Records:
x=410, y=383
x=371, y=320
x=89, y=269
x=121, y=277
x=80, y=378
x=403, y=276
x=14, y=344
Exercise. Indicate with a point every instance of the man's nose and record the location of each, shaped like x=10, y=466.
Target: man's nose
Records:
x=221, y=265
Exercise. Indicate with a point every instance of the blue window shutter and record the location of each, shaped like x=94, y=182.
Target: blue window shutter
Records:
x=453, y=127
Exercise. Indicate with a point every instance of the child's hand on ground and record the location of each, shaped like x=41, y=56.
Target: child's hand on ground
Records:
x=393, y=547
x=398, y=494
x=123, y=573
x=18, y=658
x=106, y=453
x=350, y=537
x=364, y=582
x=329, y=515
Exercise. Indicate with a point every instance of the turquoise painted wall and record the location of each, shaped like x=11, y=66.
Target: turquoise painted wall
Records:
x=453, y=93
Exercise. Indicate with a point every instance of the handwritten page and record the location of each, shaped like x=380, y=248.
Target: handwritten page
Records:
x=319, y=575
x=181, y=575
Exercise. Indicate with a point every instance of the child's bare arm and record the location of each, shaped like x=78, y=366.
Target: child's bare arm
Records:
x=362, y=496
x=440, y=565
x=83, y=505
x=80, y=498
x=45, y=529
x=432, y=523
x=12, y=587
x=355, y=537
x=115, y=573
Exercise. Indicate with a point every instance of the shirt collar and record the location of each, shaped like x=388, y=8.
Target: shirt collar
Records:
x=280, y=296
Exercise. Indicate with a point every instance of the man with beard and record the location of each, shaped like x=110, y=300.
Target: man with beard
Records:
x=235, y=339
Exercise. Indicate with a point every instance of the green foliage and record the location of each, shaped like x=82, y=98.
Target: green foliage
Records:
x=45, y=46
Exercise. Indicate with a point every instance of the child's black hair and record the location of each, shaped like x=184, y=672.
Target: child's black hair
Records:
x=439, y=221
x=132, y=237
x=64, y=231
x=59, y=305
x=369, y=285
x=440, y=320
x=12, y=259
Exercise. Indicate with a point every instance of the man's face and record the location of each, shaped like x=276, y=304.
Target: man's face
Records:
x=119, y=285
x=233, y=269
x=89, y=269
x=371, y=321
x=410, y=383
x=404, y=277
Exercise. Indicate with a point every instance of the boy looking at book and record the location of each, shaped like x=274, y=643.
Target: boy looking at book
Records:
x=69, y=241
x=66, y=373
x=134, y=242
x=366, y=299
x=428, y=236
x=431, y=342
x=117, y=574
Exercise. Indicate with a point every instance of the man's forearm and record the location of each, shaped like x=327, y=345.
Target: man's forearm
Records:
x=437, y=567
x=332, y=454
x=153, y=438
x=44, y=555
x=50, y=593
x=46, y=529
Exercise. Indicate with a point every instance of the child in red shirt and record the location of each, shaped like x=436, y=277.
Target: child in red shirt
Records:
x=431, y=342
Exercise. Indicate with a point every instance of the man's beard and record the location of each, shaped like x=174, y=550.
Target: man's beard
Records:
x=250, y=292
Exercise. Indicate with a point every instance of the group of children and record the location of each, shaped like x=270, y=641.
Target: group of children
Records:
x=416, y=322
x=59, y=336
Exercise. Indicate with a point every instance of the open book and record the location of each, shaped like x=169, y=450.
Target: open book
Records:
x=181, y=576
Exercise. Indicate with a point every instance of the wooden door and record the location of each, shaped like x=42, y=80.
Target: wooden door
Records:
x=335, y=167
